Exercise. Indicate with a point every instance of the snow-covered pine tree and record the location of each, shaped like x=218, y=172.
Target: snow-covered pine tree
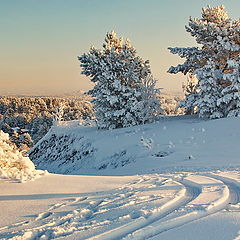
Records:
x=124, y=92
x=219, y=39
x=228, y=43
x=230, y=101
x=210, y=91
x=58, y=114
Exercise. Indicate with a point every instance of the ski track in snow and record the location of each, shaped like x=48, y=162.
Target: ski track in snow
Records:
x=230, y=195
x=140, y=209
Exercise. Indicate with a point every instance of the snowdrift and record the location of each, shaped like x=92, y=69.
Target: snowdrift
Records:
x=13, y=165
x=179, y=143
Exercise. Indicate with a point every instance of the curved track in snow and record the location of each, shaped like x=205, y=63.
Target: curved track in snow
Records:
x=230, y=195
x=140, y=209
x=233, y=185
x=191, y=191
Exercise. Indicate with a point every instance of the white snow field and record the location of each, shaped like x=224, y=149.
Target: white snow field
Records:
x=178, y=178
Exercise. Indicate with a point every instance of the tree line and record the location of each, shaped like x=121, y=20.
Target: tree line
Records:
x=28, y=119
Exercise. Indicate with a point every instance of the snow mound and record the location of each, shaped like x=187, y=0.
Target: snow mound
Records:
x=173, y=144
x=74, y=149
x=13, y=164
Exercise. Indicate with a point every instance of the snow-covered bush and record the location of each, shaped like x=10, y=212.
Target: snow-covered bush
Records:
x=191, y=95
x=215, y=64
x=124, y=92
x=21, y=139
x=12, y=163
x=63, y=153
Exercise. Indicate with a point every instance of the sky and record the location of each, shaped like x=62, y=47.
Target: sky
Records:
x=41, y=39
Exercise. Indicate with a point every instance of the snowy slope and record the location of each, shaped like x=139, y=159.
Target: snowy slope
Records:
x=172, y=144
x=183, y=183
x=152, y=206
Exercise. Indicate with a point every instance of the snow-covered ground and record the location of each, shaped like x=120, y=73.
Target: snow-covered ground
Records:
x=175, y=179
x=178, y=143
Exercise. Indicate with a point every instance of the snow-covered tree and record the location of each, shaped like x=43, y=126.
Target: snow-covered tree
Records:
x=210, y=92
x=58, y=114
x=40, y=126
x=124, y=92
x=212, y=63
x=21, y=139
x=12, y=163
x=230, y=101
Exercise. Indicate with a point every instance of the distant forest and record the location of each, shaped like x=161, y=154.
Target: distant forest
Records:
x=27, y=119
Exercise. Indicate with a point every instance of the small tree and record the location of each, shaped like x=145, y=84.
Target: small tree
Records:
x=59, y=113
x=124, y=92
x=191, y=94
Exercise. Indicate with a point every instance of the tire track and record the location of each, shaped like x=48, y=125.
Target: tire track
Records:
x=89, y=216
x=189, y=192
x=43, y=215
x=231, y=193
x=233, y=185
x=133, y=202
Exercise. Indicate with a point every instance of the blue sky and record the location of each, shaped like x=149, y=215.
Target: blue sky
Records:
x=41, y=39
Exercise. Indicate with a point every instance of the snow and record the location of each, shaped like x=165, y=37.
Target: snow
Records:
x=182, y=181
x=172, y=144
x=37, y=199
x=220, y=226
x=13, y=165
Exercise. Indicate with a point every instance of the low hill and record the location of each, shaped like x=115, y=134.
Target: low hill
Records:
x=172, y=144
